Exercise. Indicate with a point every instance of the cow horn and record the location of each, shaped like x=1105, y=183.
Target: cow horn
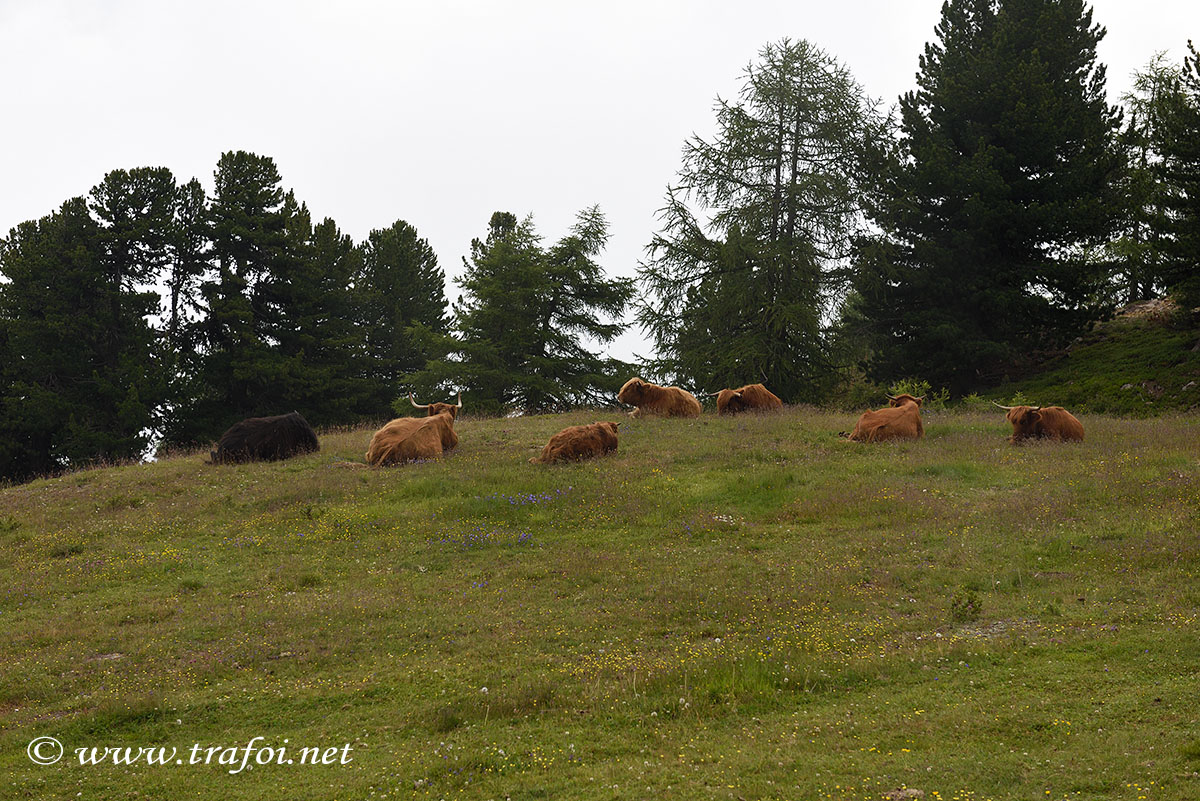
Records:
x=460, y=400
x=890, y=397
x=1005, y=408
x=712, y=394
x=416, y=405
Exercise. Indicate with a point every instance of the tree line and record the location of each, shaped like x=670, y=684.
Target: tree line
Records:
x=983, y=223
x=148, y=313
x=815, y=240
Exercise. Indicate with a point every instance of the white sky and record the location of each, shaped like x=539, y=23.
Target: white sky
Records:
x=438, y=112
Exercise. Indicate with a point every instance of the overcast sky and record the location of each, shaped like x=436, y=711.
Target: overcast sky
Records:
x=438, y=112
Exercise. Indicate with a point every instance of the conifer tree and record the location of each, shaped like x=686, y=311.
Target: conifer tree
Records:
x=1139, y=251
x=241, y=373
x=1180, y=145
x=188, y=264
x=400, y=301
x=751, y=258
x=1005, y=175
x=312, y=325
x=529, y=318
x=79, y=373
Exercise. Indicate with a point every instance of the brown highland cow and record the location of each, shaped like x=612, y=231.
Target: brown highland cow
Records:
x=437, y=408
x=412, y=439
x=1043, y=422
x=651, y=399
x=900, y=420
x=579, y=442
x=750, y=398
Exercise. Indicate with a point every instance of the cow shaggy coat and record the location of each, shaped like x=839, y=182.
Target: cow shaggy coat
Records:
x=900, y=420
x=579, y=442
x=750, y=398
x=1044, y=422
x=653, y=399
x=266, y=439
x=412, y=439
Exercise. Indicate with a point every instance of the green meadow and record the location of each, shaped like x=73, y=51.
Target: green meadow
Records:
x=748, y=608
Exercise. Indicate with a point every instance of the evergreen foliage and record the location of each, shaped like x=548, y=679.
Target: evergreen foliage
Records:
x=527, y=318
x=241, y=373
x=751, y=258
x=400, y=298
x=1180, y=145
x=1138, y=253
x=318, y=344
x=1005, y=176
x=80, y=371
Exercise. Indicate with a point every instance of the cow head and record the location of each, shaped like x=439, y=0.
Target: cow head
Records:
x=437, y=408
x=633, y=392
x=1026, y=420
x=729, y=400
x=900, y=400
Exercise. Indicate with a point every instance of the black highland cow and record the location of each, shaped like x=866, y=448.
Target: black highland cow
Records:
x=266, y=439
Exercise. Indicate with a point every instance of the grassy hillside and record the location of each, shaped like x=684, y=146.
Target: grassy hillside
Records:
x=1140, y=366
x=727, y=608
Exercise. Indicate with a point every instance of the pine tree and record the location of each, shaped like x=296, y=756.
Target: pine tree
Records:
x=1006, y=174
x=528, y=319
x=241, y=373
x=188, y=264
x=313, y=321
x=80, y=374
x=400, y=297
x=136, y=212
x=752, y=256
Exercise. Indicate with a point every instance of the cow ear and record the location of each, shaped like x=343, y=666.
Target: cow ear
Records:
x=1035, y=416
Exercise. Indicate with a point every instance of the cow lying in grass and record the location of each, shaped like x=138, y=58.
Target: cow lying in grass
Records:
x=579, y=442
x=750, y=398
x=265, y=439
x=651, y=399
x=412, y=439
x=1042, y=422
x=900, y=420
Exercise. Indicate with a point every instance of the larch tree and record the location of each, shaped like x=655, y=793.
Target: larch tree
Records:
x=752, y=258
x=1179, y=142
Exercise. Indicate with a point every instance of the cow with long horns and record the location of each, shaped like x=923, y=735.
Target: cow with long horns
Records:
x=437, y=408
x=653, y=399
x=1042, y=422
x=416, y=439
x=750, y=398
x=412, y=439
x=900, y=420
